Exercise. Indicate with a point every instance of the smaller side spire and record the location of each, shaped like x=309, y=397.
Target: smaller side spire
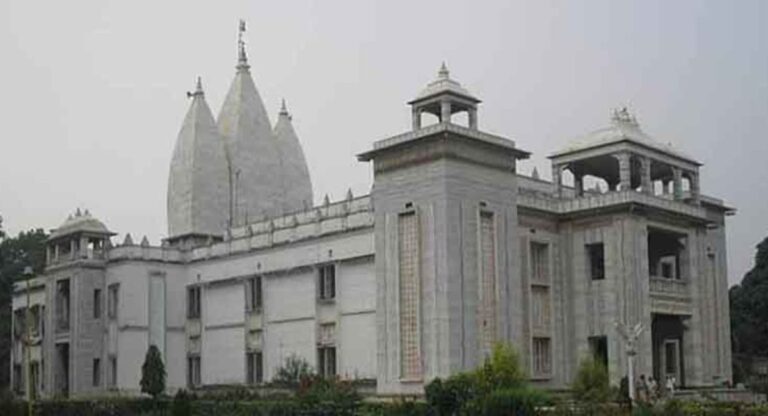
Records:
x=198, y=89
x=284, y=109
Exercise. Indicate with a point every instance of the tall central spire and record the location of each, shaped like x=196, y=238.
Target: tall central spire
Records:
x=242, y=58
x=254, y=161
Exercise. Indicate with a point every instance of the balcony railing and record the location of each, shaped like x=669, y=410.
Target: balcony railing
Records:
x=667, y=286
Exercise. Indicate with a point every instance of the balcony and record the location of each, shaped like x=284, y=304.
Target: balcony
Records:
x=670, y=296
x=665, y=286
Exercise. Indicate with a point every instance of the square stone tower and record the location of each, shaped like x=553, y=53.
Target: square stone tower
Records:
x=447, y=267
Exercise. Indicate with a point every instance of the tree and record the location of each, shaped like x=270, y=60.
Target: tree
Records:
x=26, y=249
x=749, y=312
x=153, y=373
x=294, y=369
x=591, y=382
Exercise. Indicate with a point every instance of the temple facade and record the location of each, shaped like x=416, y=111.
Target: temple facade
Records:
x=453, y=251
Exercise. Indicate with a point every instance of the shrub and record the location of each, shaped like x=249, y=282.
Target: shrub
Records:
x=508, y=401
x=501, y=370
x=319, y=396
x=591, y=382
x=182, y=403
x=447, y=397
x=153, y=373
x=293, y=370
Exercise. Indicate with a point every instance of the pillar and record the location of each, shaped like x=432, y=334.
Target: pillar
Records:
x=624, y=171
x=645, y=176
x=557, y=181
x=694, y=178
x=416, y=118
x=578, y=183
x=445, y=111
x=473, y=118
x=72, y=249
x=677, y=183
x=665, y=186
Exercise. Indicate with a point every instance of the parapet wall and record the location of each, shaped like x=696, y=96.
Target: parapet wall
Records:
x=330, y=218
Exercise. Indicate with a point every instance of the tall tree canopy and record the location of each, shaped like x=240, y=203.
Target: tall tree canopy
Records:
x=26, y=249
x=749, y=308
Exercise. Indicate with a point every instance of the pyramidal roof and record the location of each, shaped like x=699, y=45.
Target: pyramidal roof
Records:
x=623, y=127
x=442, y=85
x=198, y=178
x=251, y=148
x=296, y=182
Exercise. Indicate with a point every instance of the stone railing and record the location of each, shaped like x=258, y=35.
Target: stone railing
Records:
x=443, y=127
x=606, y=200
x=148, y=253
x=661, y=285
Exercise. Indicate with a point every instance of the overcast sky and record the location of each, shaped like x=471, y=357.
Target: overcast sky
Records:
x=92, y=93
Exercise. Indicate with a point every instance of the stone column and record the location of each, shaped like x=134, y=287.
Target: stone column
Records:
x=624, y=171
x=557, y=181
x=677, y=183
x=416, y=118
x=72, y=249
x=695, y=196
x=645, y=176
x=473, y=118
x=56, y=252
x=578, y=183
x=83, y=247
x=445, y=111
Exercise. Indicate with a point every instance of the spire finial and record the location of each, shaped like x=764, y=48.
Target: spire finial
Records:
x=283, y=109
x=242, y=59
x=443, y=73
x=623, y=115
x=198, y=89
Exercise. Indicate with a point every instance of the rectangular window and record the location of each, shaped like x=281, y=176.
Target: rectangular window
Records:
x=193, y=302
x=539, y=262
x=598, y=346
x=62, y=304
x=596, y=260
x=254, y=367
x=487, y=281
x=96, y=376
x=326, y=361
x=113, y=292
x=409, y=291
x=254, y=294
x=34, y=377
x=112, y=371
x=18, y=322
x=542, y=356
x=327, y=282
x=96, y=303
x=42, y=320
x=666, y=270
x=18, y=381
x=540, y=308
x=193, y=371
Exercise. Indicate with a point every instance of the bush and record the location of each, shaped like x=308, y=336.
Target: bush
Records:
x=501, y=370
x=320, y=396
x=153, y=373
x=182, y=403
x=591, y=382
x=293, y=370
x=520, y=401
x=498, y=385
